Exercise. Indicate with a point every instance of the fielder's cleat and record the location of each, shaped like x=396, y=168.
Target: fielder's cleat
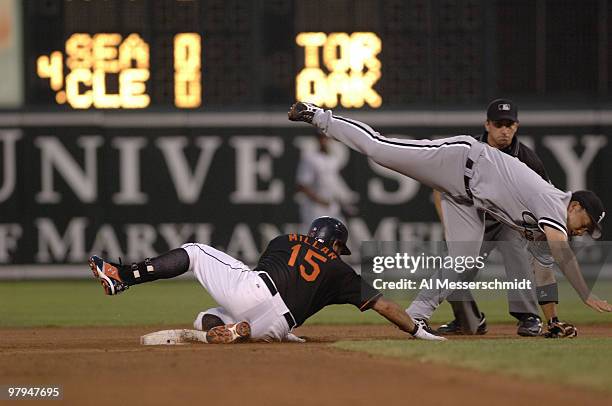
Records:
x=455, y=328
x=302, y=111
x=108, y=274
x=530, y=326
x=229, y=333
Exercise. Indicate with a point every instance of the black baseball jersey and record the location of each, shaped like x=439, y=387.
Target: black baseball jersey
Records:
x=309, y=275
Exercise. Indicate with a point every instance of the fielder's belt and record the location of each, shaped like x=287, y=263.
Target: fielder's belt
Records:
x=475, y=152
x=288, y=316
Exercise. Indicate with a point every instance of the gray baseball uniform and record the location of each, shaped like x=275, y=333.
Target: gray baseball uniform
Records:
x=511, y=246
x=476, y=177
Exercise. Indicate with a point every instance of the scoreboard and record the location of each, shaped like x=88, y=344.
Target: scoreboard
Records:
x=137, y=54
x=356, y=54
x=106, y=70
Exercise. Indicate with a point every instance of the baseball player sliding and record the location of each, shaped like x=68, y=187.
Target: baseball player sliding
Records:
x=477, y=179
x=296, y=276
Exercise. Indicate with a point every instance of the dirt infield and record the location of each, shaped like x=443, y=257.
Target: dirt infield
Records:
x=101, y=365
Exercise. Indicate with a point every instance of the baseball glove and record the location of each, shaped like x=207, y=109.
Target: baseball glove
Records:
x=560, y=329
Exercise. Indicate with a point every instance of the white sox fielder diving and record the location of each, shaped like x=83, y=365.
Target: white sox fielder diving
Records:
x=477, y=179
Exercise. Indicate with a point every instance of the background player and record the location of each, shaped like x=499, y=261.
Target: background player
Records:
x=320, y=192
x=501, y=127
x=477, y=179
x=296, y=276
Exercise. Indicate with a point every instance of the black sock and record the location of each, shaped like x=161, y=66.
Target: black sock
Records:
x=169, y=265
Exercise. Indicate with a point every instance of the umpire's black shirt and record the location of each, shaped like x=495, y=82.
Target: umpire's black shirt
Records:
x=521, y=151
x=309, y=275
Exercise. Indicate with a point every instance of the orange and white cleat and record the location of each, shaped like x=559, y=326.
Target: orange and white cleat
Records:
x=229, y=333
x=108, y=275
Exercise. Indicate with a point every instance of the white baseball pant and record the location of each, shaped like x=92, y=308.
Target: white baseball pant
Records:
x=240, y=292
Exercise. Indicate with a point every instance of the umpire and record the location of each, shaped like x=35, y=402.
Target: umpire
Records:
x=500, y=132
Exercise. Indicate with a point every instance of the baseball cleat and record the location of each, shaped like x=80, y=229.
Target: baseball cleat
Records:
x=302, y=111
x=455, y=328
x=108, y=275
x=529, y=327
x=229, y=333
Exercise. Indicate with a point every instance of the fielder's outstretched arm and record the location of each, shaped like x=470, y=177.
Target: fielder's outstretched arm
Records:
x=566, y=259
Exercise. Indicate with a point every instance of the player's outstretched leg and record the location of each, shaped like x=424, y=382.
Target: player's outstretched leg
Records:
x=116, y=278
x=439, y=164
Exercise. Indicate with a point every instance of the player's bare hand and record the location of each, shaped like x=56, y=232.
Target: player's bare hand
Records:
x=423, y=334
x=598, y=305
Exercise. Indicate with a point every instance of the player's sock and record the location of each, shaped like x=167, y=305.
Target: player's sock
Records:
x=169, y=265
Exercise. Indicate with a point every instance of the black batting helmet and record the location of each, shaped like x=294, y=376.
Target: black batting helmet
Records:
x=329, y=230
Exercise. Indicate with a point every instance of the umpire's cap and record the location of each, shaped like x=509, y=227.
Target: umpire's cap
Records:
x=329, y=230
x=502, y=109
x=594, y=207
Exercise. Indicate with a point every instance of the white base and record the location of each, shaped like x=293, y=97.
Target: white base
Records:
x=173, y=337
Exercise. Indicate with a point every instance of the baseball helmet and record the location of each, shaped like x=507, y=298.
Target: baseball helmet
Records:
x=330, y=230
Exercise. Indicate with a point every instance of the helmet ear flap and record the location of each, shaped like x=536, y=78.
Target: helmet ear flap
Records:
x=345, y=250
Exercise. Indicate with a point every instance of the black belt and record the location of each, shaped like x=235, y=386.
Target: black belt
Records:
x=468, y=164
x=288, y=316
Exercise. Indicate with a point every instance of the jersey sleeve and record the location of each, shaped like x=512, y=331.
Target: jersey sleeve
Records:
x=550, y=210
x=354, y=290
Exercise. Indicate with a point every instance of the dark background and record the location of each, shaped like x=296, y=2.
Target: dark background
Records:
x=447, y=53
x=437, y=56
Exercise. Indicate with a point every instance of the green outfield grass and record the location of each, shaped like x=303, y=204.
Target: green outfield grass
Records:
x=82, y=303
x=583, y=362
